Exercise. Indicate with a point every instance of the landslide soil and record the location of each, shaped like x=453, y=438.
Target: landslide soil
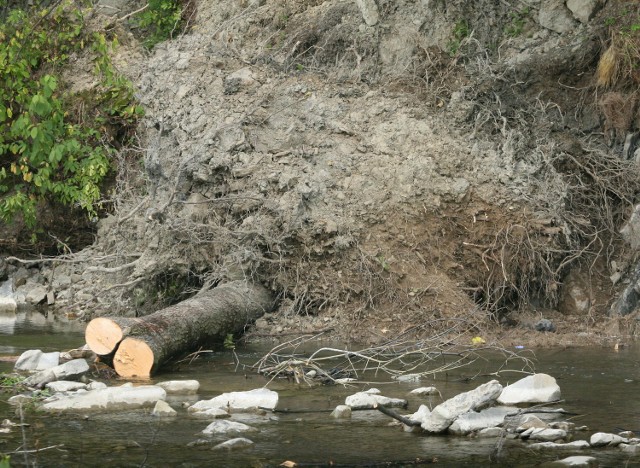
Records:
x=401, y=179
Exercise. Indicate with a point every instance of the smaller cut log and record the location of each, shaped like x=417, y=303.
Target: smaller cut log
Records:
x=104, y=333
x=207, y=317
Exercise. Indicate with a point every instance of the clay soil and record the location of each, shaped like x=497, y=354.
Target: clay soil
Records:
x=401, y=179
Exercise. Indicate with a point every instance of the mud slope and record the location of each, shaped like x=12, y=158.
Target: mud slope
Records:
x=382, y=166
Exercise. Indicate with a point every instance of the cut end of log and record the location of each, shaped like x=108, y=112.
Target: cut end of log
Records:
x=134, y=358
x=103, y=335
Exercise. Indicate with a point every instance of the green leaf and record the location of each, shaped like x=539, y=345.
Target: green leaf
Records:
x=40, y=106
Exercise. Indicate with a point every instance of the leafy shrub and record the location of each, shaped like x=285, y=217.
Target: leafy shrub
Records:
x=162, y=20
x=47, y=151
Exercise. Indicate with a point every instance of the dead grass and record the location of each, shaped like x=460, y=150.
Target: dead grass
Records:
x=608, y=68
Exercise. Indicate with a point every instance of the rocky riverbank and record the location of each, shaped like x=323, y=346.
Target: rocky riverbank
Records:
x=383, y=167
x=524, y=413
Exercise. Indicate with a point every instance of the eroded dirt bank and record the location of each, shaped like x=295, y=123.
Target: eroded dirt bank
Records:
x=384, y=167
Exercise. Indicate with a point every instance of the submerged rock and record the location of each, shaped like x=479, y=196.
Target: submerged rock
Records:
x=341, y=412
x=601, y=439
x=370, y=398
x=576, y=460
x=424, y=391
x=576, y=444
x=162, y=409
x=544, y=434
x=445, y=413
x=211, y=413
x=491, y=432
x=537, y=388
x=234, y=444
x=186, y=387
x=472, y=421
x=252, y=399
x=224, y=427
x=107, y=399
x=531, y=421
x=407, y=378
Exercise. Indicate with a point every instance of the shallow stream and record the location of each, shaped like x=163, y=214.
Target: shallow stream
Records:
x=600, y=384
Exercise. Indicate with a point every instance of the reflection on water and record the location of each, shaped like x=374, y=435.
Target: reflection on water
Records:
x=598, y=384
x=32, y=328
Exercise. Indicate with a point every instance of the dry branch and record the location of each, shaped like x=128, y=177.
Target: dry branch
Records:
x=404, y=420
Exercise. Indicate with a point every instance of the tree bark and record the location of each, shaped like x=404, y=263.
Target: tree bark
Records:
x=143, y=344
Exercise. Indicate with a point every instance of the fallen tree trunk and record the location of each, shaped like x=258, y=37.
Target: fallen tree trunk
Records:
x=142, y=344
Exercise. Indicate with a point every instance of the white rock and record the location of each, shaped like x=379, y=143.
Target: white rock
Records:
x=36, y=295
x=36, y=360
x=95, y=385
x=234, y=444
x=490, y=432
x=531, y=421
x=341, y=412
x=419, y=416
x=8, y=305
x=407, y=378
x=369, y=10
x=224, y=427
x=600, y=439
x=211, y=413
x=346, y=380
x=17, y=400
x=537, y=388
x=577, y=460
x=472, y=421
x=555, y=16
x=67, y=371
x=424, y=391
x=545, y=434
x=631, y=449
x=445, y=413
x=369, y=399
x=162, y=409
x=108, y=399
x=65, y=386
x=584, y=10
x=575, y=445
x=187, y=387
x=260, y=397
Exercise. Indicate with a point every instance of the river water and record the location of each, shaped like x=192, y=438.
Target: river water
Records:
x=599, y=384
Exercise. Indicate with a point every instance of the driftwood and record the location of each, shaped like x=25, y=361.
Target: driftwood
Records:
x=403, y=419
x=139, y=346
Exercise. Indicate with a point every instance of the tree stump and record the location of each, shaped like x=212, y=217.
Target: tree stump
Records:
x=141, y=345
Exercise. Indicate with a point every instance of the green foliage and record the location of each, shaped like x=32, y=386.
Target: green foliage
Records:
x=162, y=20
x=5, y=461
x=229, y=342
x=518, y=21
x=46, y=151
x=11, y=382
x=460, y=32
x=116, y=97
